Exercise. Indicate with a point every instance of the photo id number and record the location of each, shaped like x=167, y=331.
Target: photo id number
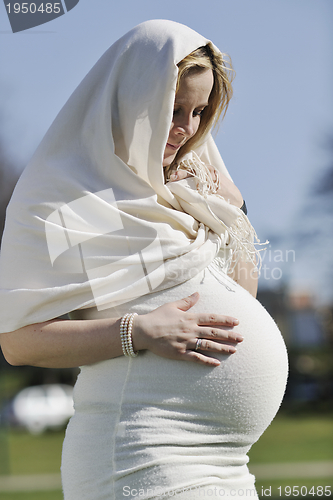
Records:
x=295, y=491
x=32, y=8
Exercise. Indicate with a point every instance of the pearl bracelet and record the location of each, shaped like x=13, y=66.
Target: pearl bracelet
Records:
x=126, y=325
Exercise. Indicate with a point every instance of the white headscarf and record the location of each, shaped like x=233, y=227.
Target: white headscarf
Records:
x=91, y=222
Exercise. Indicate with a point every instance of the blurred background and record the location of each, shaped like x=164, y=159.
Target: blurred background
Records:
x=277, y=142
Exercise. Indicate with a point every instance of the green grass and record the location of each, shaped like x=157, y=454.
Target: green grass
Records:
x=30, y=454
x=295, y=439
x=33, y=495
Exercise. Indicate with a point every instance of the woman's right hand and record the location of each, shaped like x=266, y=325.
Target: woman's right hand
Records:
x=172, y=331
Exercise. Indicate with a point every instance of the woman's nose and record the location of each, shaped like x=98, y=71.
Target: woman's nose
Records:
x=186, y=126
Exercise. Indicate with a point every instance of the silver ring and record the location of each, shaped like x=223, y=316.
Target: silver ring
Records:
x=198, y=344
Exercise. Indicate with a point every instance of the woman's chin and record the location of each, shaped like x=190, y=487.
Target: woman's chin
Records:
x=167, y=160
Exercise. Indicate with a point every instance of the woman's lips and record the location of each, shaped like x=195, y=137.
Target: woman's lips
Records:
x=173, y=147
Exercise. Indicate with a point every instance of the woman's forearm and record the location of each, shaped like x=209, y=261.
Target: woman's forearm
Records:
x=246, y=275
x=63, y=343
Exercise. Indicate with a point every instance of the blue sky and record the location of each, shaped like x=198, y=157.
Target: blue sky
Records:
x=272, y=139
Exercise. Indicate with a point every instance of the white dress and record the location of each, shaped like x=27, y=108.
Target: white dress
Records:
x=150, y=427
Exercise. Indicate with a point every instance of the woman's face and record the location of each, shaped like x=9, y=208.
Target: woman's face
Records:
x=191, y=99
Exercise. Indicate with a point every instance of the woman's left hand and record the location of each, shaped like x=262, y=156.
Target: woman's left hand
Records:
x=227, y=189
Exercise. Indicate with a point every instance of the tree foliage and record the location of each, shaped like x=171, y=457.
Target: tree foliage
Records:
x=8, y=178
x=325, y=184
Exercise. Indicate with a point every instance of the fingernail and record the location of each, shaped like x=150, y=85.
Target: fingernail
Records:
x=194, y=294
x=239, y=338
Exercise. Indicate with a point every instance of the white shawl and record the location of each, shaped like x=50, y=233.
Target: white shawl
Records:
x=91, y=222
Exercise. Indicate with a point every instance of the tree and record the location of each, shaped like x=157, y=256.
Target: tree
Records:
x=8, y=178
x=325, y=184
x=313, y=231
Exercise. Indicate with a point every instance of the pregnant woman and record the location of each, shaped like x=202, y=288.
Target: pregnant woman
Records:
x=127, y=220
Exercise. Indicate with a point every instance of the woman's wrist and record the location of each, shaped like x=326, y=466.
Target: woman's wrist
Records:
x=230, y=192
x=138, y=333
x=126, y=327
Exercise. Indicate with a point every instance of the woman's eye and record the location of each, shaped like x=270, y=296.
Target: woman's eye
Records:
x=198, y=113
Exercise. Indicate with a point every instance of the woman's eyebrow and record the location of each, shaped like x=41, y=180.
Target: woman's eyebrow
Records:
x=179, y=103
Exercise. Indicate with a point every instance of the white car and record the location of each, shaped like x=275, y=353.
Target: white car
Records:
x=43, y=407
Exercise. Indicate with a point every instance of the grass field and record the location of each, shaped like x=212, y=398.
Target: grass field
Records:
x=295, y=439
x=30, y=454
x=288, y=439
x=34, y=495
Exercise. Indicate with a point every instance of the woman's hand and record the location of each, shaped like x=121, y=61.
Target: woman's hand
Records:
x=172, y=331
x=227, y=189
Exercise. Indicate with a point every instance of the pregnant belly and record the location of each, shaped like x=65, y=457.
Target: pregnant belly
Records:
x=238, y=398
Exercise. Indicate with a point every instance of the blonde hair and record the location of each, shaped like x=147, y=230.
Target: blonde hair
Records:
x=207, y=57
